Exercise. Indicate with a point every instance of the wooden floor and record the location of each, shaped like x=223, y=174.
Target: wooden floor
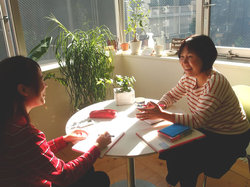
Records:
x=153, y=170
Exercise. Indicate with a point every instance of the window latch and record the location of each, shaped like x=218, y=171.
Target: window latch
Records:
x=5, y=18
x=230, y=54
x=207, y=5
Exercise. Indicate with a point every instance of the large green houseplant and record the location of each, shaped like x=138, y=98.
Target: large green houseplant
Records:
x=83, y=63
x=137, y=21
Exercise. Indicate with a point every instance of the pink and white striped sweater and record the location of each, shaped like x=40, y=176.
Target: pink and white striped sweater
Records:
x=29, y=160
x=214, y=106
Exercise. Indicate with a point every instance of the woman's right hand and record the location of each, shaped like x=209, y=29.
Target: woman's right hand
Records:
x=151, y=111
x=103, y=140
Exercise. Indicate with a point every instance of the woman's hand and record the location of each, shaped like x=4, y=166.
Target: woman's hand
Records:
x=162, y=105
x=150, y=111
x=103, y=140
x=75, y=136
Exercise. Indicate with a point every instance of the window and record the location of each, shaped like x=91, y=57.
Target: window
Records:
x=225, y=21
x=168, y=19
x=74, y=14
x=230, y=26
x=230, y=23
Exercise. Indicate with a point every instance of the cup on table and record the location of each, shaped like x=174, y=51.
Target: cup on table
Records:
x=140, y=102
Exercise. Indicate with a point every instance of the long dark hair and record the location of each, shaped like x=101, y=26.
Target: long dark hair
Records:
x=204, y=47
x=13, y=71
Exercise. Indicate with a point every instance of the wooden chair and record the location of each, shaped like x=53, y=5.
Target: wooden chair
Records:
x=243, y=93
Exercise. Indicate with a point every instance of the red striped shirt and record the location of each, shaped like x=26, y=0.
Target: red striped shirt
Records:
x=214, y=106
x=29, y=160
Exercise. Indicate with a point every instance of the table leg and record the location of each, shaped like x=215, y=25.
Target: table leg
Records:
x=131, y=181
x=131, y=172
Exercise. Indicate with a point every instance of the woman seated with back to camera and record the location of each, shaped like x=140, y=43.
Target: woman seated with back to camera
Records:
x=215, y=111
x=26, y=158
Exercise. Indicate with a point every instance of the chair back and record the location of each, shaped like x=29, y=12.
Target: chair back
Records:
x=243, y=94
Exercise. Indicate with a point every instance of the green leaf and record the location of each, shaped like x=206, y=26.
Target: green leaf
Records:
x=38, y=51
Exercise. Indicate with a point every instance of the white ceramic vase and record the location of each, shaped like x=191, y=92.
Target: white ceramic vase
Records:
x=135, y=47
x=124, y=98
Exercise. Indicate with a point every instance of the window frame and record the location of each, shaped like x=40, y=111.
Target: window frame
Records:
x=15, y=43
x=12, y=27
x=5, y=21
x=203, y=11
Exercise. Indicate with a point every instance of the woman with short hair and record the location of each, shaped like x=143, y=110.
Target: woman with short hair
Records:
x=214, y=110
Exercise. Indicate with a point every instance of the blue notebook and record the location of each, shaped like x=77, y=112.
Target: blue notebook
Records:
x=175, y=131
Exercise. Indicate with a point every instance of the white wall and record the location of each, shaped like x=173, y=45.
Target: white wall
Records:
x=52, y=117
x=154, y=76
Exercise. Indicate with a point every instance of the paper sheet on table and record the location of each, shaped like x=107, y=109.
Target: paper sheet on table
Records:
x=93, y=133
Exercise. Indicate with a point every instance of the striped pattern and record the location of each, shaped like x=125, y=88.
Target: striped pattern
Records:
x=29, y=160
x=214, y=106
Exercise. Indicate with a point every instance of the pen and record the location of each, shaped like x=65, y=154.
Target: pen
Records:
x=109, y=135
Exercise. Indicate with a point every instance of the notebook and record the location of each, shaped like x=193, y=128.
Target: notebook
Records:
x=175, y=131
x=93, y=133
x=158, y=143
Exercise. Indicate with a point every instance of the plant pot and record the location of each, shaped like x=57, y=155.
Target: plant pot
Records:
x=112, y=43
x=124, y=98
x=135, y=47
x=124, y=46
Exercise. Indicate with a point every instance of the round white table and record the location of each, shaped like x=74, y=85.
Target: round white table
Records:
x=130, y=145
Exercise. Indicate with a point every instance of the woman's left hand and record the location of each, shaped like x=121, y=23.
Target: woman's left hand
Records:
x=151, y=111
x=75, y=136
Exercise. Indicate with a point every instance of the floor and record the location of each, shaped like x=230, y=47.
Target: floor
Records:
x=153, y=170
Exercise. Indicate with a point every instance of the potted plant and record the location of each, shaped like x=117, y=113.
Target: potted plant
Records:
x=83, y=62
x=124, y=46
x=123, y=92
x=137, y=21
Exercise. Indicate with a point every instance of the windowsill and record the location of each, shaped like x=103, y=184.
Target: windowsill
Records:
x=51, y=65
x=223, y=61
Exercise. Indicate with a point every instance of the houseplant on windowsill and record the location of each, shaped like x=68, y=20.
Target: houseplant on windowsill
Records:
x=137, y=21
x=124, y=46
x=123, y=92
x=83, y=61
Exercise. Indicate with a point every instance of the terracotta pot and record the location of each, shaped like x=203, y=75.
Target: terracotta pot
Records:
x=124, y=46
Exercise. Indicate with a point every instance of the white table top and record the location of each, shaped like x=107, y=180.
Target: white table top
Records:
x=130, y=145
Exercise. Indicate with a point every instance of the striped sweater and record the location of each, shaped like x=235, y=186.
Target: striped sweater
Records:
x=27, y=159
x=214, y=106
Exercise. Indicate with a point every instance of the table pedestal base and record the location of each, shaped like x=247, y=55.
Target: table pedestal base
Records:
x=138, y=183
